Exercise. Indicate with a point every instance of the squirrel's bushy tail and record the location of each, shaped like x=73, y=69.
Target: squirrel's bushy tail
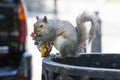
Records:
x=81, y=29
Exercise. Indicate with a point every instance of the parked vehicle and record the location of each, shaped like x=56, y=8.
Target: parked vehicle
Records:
x=15, y=61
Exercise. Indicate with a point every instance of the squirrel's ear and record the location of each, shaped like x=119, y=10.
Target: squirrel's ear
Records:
x=37, y=18
x=45, y=19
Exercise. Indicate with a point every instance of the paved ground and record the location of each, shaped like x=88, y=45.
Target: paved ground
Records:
x=110, y=15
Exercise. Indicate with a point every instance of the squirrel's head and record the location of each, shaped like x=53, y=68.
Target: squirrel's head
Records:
x=40, y=27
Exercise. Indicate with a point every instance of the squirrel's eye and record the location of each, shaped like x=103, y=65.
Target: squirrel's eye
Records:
x=41, y=25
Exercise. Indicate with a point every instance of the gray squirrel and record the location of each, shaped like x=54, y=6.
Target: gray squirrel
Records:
x=66, y=38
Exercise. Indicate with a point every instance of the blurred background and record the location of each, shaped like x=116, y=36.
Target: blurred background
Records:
x=69, y=10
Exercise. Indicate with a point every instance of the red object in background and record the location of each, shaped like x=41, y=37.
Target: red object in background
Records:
x=22, y=23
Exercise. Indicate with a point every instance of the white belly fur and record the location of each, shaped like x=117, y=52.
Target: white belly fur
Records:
x=59, y=42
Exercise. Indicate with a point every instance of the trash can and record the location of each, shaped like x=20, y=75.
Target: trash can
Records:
x=97, y=66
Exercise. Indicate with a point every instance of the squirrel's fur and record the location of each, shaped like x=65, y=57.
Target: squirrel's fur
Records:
x=67, y=39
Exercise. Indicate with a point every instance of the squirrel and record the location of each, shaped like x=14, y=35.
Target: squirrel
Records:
x=66, y=38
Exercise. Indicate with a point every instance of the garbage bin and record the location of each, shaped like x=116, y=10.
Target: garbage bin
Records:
x=85, y=67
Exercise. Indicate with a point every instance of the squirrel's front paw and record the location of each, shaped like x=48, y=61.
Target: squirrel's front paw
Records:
x=52, y=55
x=57, y=55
